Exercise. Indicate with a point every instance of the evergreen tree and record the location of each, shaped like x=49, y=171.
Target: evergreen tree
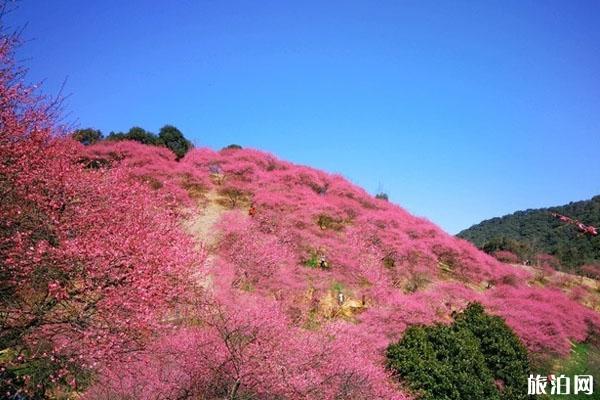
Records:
x=174, y=140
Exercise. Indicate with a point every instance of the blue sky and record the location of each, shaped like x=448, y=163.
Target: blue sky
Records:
x=459, y=110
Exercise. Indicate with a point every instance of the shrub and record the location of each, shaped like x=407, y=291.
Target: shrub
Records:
x=477, y=357
x=389, y=260
x=439, y=362
x=313, y=260
x=234, y=197
x=232, y=147
x=382, y=196
x=326, y=221
x=87, y=136
x=505, y=355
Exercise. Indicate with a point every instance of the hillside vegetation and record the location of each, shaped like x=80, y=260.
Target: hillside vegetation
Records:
x=131, y=271
x=532, y=232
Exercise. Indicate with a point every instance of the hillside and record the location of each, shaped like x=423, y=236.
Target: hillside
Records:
x=535, y=231
x=132, y=272
x=329, y=256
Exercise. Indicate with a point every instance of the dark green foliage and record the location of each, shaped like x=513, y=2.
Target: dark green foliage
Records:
x=505, y=356
x=442, y=363
x=174, y=140
x=137, y=134
x=233, y=147
x=116, y=136
x=523, y=250
x=141, y=135
x=462, y=361
x=88, y=136
x=382, y=196
x=529, y=232
x=168, y=136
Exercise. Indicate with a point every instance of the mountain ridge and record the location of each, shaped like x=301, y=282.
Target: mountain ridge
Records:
x=532, y=231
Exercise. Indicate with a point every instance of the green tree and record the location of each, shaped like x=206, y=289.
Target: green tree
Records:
x=174, y=140
x=441, y=363
x=137, y=134
x=478, y=357
x=505, y=355
x=141, y=135
x=87, y=136
x=116, y=136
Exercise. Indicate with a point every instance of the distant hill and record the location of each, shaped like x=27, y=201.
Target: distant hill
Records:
x=534, y=231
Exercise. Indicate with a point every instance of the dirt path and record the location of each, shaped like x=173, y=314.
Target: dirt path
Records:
x=201, y=226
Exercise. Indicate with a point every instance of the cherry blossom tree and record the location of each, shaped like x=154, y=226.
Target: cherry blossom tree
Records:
x=92, y=260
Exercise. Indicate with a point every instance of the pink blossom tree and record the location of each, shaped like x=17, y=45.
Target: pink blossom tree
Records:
x=92, y=261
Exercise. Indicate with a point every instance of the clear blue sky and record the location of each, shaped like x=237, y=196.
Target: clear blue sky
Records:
x=460, y=110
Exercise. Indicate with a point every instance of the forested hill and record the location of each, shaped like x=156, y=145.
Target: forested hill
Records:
x=534, y=231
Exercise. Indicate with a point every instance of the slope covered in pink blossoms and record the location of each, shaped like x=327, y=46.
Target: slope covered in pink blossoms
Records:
x=129, y=274
x=327, y=262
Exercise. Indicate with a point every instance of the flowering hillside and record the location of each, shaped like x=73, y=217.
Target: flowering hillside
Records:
x=321, y=258
x=130, y=273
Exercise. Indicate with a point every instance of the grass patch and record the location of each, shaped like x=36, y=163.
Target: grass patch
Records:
x=584, y=360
